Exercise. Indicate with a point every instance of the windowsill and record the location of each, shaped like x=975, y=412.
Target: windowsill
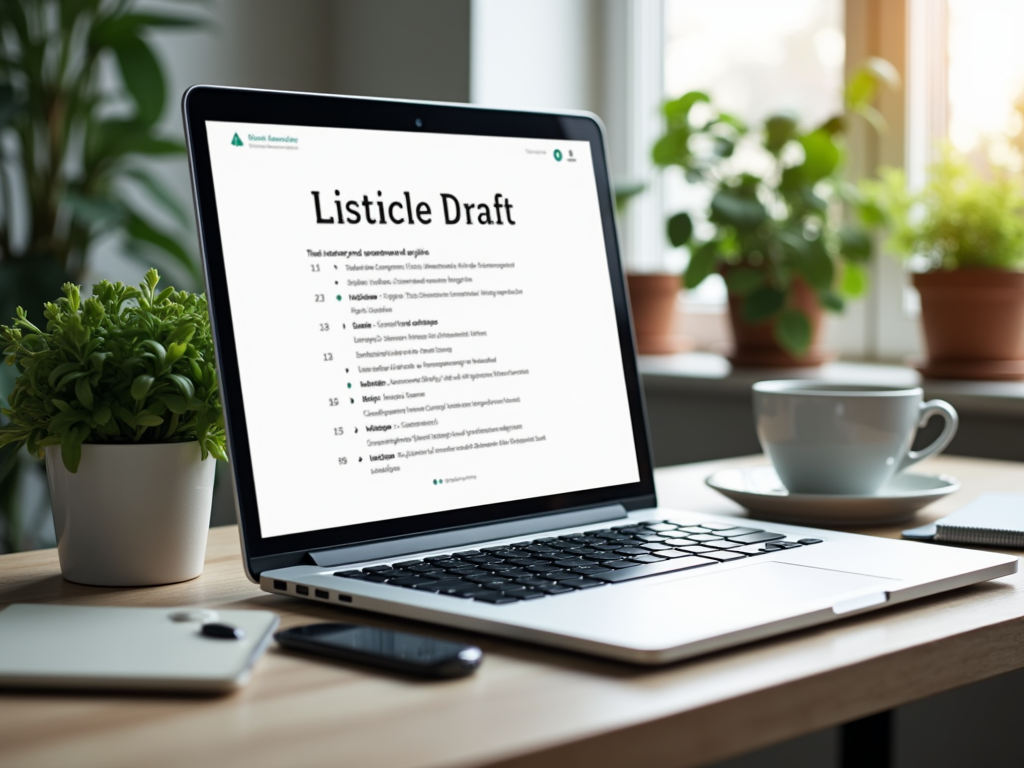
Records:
x=702, y=372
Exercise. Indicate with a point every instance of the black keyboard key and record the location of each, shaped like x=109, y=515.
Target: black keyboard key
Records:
x=441, y=586
x=495, y=597
x=631, y=551
x=585, y=569
x=654, y=569
x=470, y=591
x=463, y=572
x=810, y=541
x=757, y=538
x=534, y=581
x=586, y=584
x=375, y=568
x=482, y=559
x=541, y=568
x=565, y=576
x=723, y=544
x=752, y=549
x=554, y=589
x=437, y=559
x=466, y=553
x=380, y=578
x=781, y=545
x=348, y=574
x=424, y=568
x=545, y=540
x=648, y=559
x=411, y=581
x=724, y=557
x=730, y=532
x=618, y=565
x=530, y=594
x=406, y=563
x=510, y=587
x=651, y=537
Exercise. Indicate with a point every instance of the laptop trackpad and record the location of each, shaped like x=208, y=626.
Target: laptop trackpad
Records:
x=695, y=606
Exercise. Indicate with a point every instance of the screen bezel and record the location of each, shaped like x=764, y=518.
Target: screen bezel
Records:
x=209, y=103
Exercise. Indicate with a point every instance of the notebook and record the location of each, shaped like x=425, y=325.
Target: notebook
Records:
x=992, y=520
x=431, y=391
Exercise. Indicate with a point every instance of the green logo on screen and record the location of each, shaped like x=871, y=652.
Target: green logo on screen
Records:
x=558, y=155
x=236, y=142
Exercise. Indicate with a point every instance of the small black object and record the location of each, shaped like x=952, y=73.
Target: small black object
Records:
x=223, y=631
x=399, y=651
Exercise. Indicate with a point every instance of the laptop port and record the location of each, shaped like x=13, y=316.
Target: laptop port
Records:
x=322, y=594
x=283, y=586
x=301, y=590
x=345, y=598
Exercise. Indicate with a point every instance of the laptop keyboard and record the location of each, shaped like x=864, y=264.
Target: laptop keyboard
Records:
x=562, y=564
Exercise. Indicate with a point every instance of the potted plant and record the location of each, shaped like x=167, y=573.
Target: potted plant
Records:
x=964, y=234
x=81, y=96
x=774, y=227
x=120, y=393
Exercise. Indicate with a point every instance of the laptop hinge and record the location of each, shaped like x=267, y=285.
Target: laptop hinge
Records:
x=460, y=537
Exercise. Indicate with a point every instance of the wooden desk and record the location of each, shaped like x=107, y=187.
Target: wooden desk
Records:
x=527, y=705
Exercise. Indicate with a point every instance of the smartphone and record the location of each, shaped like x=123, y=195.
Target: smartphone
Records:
x=385, y=648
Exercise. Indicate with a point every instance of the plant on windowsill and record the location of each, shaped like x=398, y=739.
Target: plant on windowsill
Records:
x=963, y=235
x=775, y=226
x=119, y=391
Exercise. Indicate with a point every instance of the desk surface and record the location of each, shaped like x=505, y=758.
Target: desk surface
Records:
x=527, y=705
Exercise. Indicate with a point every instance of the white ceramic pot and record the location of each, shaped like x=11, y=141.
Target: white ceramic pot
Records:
x=133, y=515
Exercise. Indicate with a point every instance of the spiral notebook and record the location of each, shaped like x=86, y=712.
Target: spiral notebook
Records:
x=993, y=520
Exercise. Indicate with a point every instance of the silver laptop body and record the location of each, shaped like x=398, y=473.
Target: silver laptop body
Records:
x=431, y=394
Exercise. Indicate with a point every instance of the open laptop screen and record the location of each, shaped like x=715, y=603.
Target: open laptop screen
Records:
x=423, y=321
x=420, y=317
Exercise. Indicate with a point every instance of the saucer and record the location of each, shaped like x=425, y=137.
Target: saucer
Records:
x=760, y=491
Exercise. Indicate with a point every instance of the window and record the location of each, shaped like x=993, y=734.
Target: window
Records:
x=755, y=59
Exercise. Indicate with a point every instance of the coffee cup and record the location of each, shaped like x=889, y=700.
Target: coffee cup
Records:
x=844, y=439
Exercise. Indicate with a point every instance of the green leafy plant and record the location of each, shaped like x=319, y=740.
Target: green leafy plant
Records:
x=776, y=212
x=128, y=365
x=961, y=219
x=72, y=145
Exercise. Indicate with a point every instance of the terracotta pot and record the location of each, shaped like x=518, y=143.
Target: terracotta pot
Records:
x=655, y=316
x=755, y=345
x=973, y=321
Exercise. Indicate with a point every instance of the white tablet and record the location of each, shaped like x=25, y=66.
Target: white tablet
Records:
x=144, y=649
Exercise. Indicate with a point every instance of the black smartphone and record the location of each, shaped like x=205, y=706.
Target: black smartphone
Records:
x=398, y=651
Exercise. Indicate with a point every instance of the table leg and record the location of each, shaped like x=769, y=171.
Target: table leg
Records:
x=867, y=743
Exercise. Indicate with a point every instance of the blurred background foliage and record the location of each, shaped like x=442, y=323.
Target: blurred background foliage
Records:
x=81, y=95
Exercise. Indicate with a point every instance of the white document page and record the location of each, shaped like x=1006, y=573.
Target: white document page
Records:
x=423, y=322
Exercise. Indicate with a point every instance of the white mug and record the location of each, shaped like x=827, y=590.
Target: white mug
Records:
x=844, y=439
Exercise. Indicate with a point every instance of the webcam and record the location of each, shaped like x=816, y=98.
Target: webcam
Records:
x=419, y=123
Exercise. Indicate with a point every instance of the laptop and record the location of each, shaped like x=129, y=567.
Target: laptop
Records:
x=431, y=392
